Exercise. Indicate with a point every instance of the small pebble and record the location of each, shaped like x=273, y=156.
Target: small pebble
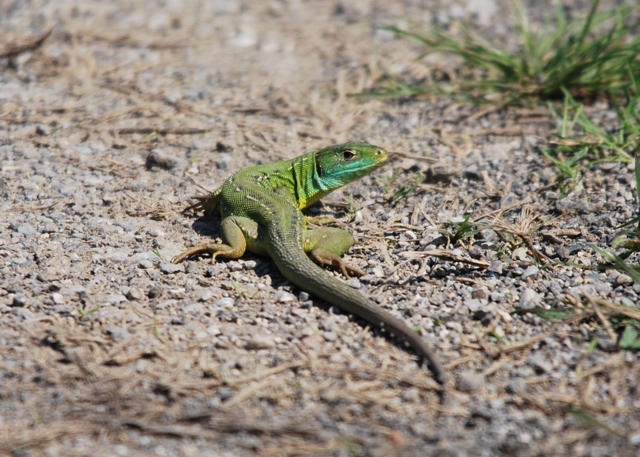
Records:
x=260, y=342
x=624, y=280
x=480, y=294
x=207, y=295
x=473, y=304
x=62, y=309
x=540, y=362
x=171, y=268
x=531, y=271
x=27, y=230
x=283, y=296
x=469, y=381
x=226, y=302
x=134, y=294
x=495, y=267
x=117, y=333
x=529, y=299
x=329, y=336
x=154, y=292
x=213, y=330
x=312, y=341
x=19, y=300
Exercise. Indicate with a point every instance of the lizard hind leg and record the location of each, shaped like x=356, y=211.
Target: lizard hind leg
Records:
x=325, y=245
x=235, y=231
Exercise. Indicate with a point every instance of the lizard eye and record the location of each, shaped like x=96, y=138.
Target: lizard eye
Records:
x=348, y=155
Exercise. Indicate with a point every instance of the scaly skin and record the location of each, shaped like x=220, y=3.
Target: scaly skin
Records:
x=261, y=210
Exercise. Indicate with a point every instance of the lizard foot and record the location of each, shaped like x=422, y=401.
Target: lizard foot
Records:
x=335, y=261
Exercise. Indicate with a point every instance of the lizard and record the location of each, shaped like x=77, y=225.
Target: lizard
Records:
x=261, y=208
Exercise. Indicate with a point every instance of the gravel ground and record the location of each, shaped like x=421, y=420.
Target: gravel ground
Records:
x=130, y=108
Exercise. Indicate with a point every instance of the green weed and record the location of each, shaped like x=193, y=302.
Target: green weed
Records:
x=584, y=56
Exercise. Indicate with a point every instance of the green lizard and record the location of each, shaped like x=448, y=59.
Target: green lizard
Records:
x=261, y=212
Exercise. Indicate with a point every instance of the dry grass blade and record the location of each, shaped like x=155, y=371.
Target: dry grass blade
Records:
x=445, y=255
x=13, y=439
x=522, y=230
x=613, y=308
x=12, y=50
x=163, y=130
x=230, y=425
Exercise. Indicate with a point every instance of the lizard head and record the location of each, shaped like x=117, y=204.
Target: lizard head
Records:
x=341, y=164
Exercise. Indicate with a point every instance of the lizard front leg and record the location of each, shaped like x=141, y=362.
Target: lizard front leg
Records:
x=238, y=234
x=325, y=245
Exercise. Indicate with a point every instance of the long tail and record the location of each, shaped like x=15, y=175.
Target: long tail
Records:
x=294, y=264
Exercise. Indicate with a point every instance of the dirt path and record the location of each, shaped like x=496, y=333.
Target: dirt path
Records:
x=107, y=349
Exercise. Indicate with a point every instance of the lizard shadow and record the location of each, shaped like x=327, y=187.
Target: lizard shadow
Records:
x=208, y=226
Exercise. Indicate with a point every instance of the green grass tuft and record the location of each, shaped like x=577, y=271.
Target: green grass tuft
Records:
x=585, y=56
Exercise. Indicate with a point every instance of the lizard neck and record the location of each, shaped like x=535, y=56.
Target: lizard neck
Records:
x=309, y=185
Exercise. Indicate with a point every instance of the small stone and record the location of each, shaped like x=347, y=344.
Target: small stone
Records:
x=540, y=363
x=481, y=413
x=19, y=299
x=115, y=299
x=57, y=298
x=250, y=264
x=234, y=265
x=476, y=253
x=312, y=341
x=117, y=333
x=485, y=317
x=473, y=304
x=329, y=323
x=207, y=295
x=171, y=268
x=355, y=283
x=62, y=309
x=154, y=292
x=156, y=233
x=624, y=301
x=624, y=280
x=519, y=254
x=225, y=393
x=226, y=302
x=27, y=230
x=517, y=385
x=284, y=296
x=606, y=343
x=495, y=267
x=165, y=303
x=469, y=381
x=157, y=159
x=193, y=268
x=529, y=299
x=531, y=271
x=480, y=294
x=411, y=394
x=213, y=330
x=562, y=253
x=260, y=342
x=177, y=294
x=195, y=308
x=329, y=336
x=146, y=264
x=23, y=313
x=134, y=294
